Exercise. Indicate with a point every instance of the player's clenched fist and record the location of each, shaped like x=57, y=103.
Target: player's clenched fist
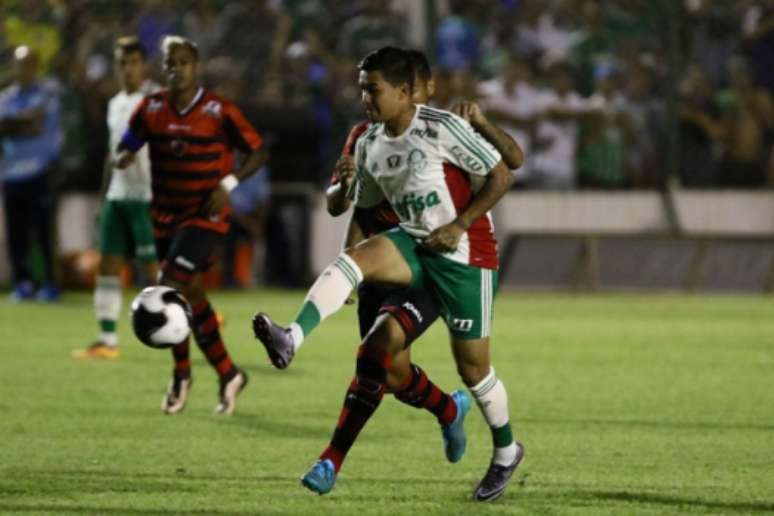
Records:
x=345, y=167
x=217, y=200
x=446, y=238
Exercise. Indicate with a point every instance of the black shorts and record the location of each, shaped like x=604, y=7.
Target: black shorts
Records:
x=413, y=308
x=188, y=251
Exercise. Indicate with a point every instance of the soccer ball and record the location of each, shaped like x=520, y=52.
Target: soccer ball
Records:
x=161, y=317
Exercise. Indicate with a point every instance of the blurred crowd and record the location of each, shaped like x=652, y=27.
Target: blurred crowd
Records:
x=600, y=94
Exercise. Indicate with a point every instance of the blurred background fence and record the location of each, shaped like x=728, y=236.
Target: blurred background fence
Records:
x=648, y=124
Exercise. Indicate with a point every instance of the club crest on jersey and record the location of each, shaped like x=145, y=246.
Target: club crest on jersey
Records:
x=393, y=161
x=155, y=105
x=212, y=108
x=417, y=161
x=416, y=204
x=178, y=147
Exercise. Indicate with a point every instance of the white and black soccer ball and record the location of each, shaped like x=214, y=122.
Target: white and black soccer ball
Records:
x=161, y=317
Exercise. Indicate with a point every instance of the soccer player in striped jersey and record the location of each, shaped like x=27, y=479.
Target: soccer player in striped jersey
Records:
x=382, y=351
x=125, y=228
x=193, y=136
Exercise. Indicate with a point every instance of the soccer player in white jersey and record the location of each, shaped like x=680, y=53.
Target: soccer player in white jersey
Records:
x=125, y=229
x=445, y=241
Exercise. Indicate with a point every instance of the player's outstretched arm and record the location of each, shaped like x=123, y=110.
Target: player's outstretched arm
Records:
x=446, y=238
x=512, y=154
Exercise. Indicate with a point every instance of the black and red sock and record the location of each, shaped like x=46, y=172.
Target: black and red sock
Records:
x=182, y=359
x=420, y=392
x=363, y=397
x=206, y=330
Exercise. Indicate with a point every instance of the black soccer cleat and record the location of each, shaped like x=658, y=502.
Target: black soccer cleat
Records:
x=496, y=479
x=276, y=339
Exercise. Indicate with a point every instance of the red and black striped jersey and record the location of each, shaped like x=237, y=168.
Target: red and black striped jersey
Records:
x=371, y=220
x=190, y=152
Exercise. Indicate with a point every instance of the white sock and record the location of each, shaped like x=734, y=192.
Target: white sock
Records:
x=334, y=285
x=107, y=306
x=327, y=296
x=492, y=399
x=297, y=334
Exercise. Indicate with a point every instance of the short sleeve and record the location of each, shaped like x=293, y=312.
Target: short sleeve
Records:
x=462, y=146
x=240, y=133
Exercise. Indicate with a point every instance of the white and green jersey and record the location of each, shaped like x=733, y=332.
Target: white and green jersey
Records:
x=429, y=174
x=133, y=182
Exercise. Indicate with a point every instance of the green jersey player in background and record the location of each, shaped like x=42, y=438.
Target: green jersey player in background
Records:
x=125, y=229
x=445, y=242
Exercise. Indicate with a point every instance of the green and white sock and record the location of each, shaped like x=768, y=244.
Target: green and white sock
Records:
x=327, y=295
x=492, y=399
x=107, y=306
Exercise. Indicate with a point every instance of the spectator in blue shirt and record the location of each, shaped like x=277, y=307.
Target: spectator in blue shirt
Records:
x=31, y=143
x=457, y=40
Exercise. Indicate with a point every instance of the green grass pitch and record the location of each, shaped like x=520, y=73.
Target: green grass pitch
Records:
x=626, y=404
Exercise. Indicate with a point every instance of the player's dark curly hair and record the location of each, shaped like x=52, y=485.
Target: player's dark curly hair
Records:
x=420, y=64
x=394, y=63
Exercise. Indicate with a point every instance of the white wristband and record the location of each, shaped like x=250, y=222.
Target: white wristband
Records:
x=229, y=182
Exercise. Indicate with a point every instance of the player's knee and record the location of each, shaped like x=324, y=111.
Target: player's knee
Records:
x=151, y=271
x=358, y=256
x=368, y=255
x=472, y=373
x=387, y=336
x=110, y=266
x=189, y=291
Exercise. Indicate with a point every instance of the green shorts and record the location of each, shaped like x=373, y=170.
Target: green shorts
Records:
x=464, y=293
x=125, y=229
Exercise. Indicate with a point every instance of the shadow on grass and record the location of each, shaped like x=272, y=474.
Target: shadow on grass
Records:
x=262, y=425
x=677, y=501
x=663, y=425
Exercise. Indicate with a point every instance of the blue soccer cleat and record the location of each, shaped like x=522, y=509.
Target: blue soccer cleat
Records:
x=22, y=291
x=454, y=439
x=321, y=477
x=48, y=293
